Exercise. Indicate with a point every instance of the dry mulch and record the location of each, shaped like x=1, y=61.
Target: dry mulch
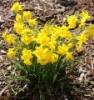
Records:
x=45, y=10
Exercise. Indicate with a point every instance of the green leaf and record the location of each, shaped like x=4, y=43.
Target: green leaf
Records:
x=19, y=66
x=17, y=78
x=55, y=76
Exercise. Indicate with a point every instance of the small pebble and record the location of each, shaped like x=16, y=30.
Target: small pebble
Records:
x=3, y=51
x=9, y=67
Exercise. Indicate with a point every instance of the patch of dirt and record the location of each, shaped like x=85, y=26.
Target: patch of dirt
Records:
x=45, y=10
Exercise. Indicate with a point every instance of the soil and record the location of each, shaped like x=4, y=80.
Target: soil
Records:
x=44, y=10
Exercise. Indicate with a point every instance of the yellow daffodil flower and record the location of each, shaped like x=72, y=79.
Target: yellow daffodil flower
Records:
x=63, y=49
x=82, y=38
x=16, y=7
x=85, y=15
x=32, y=22
x=18, y=18
x=9, y=38
x=27, y=39
x=4, y=35
x=79, y=47
x=69, y=55
x=27, y=56
x=18, y=27
x=72, y=20
x=27, y=15
x=11, y=53
x=27, y=62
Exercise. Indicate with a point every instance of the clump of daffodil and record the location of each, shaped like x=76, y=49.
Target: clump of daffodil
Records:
x=53, y=40
x=47, y=50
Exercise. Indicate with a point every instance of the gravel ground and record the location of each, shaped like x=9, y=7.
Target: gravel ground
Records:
x=45, y=10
